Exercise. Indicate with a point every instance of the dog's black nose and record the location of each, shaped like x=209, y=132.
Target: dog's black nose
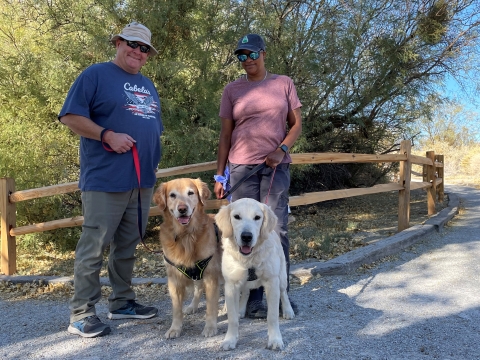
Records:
x=182, y=210
x=246, y=237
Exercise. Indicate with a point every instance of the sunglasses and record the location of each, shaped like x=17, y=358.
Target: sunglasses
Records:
x=143, y=48
x=252, y=55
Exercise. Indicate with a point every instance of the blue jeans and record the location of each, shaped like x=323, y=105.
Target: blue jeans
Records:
x=258, y=187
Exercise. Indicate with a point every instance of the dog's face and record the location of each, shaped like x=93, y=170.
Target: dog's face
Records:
x=181, y=197
x=246, y=222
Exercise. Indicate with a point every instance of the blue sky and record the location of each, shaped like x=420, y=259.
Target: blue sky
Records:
x=466, y=95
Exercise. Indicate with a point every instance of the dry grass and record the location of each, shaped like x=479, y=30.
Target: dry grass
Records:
x=318, y=232
x=330, y=229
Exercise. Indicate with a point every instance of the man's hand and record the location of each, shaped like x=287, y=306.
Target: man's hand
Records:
x=119, y=142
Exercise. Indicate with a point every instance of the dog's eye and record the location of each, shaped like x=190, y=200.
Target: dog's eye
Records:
x=173, y=196
x=190, y=193
x=237, y=217
x=258, y=217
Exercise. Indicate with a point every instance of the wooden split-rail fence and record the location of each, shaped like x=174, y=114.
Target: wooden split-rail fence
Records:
x=432, y=177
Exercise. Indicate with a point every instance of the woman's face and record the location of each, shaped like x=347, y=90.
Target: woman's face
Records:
x=253, y=67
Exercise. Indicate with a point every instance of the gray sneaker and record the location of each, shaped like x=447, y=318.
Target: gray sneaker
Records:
x=89, y=327
x=133, y=310
x=256, y=309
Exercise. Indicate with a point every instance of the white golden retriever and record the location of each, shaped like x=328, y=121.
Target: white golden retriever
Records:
x=252, y=257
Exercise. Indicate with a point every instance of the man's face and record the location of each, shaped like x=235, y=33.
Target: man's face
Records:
x=129, y=59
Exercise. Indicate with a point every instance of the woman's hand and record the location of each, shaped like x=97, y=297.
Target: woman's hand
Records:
x=218, y=190
x=275, y=158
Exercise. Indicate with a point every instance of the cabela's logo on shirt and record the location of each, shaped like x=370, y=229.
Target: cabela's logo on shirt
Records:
x=140, y=102
x=128, y=87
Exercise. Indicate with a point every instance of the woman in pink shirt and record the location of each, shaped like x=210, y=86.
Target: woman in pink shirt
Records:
x=261, y=120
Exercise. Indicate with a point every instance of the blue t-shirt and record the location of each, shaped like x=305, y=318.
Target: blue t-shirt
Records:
x=125, y=103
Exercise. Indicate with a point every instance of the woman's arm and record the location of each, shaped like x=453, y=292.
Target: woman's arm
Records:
x=294, y=121
x=223, y=151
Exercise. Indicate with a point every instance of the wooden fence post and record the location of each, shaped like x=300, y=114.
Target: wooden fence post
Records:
x=7, y=222
x=441, y=175
x=404, y=180
x=431, y=178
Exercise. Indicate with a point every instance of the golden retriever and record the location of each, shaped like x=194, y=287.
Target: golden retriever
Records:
x=250, y=242
x=191, y=249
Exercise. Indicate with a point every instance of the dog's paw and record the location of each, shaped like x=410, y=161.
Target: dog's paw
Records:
x=173, y=333
x=228, y=344
x=209, y=331
x=189, y=310
x=241, y=314
x=289, y=314
x=275, y=343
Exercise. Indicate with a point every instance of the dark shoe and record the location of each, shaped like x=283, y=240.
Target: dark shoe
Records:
x=294, y=308
x=133, y=310
x=256, y=310
x=89, y=327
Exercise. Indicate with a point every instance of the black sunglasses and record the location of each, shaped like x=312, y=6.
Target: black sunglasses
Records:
x=253, y=55
x=143, y=48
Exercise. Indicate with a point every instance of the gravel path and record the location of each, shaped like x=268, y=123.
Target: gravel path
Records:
x=424, y=303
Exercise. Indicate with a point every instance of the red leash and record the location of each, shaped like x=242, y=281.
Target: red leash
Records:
x=271, y=182
x=136, y=162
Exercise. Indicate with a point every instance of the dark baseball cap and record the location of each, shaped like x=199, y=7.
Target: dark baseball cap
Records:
x=252, y=42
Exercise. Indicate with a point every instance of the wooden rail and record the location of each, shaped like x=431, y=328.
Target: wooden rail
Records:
x=432, y=181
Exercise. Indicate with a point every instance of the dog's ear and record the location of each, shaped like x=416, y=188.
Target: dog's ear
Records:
x=223, y=221
x=204, y=192
x=159, y=197
x=269, y=221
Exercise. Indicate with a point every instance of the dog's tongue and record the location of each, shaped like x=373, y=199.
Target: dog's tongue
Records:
x=246, y=250
x=184, y=220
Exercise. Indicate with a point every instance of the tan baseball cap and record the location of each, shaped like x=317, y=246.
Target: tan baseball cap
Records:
x=136, y=32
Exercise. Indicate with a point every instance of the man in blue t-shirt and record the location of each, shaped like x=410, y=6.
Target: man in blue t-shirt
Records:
x=116, y=111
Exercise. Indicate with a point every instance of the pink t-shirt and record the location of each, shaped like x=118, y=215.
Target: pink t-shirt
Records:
x=259, y=111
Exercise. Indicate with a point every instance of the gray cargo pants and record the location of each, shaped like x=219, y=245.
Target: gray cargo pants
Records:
x=109, y=219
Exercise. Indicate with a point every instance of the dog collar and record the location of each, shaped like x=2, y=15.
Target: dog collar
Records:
x=193, y=273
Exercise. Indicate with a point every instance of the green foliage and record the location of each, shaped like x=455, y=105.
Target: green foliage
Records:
x=432, y=26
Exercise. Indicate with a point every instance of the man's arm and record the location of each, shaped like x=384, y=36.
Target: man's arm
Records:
x=80, y=125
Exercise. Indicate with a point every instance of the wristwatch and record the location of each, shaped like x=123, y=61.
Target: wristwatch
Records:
x=284, y=148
